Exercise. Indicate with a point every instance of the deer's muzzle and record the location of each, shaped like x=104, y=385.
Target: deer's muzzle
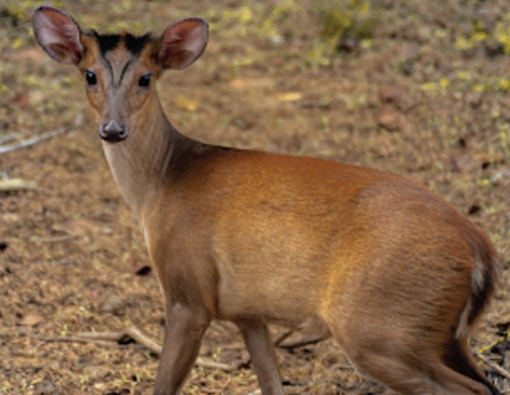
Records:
x=113, y=132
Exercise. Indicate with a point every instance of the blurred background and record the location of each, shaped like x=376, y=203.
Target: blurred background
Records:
x=412, y=87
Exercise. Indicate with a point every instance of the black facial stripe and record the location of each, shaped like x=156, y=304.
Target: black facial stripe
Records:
x=110, y=70
x=124, y=71
x=134, y=44
x=109, y=66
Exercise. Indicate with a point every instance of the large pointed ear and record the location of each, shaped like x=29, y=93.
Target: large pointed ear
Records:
x=58, y=34
x=183, y=42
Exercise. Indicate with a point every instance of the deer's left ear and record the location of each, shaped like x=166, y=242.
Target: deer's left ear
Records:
x=183, y=42
x=58, y=34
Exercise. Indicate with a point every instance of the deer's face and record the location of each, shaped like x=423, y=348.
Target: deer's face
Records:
x=120, y=75
x=120, y=70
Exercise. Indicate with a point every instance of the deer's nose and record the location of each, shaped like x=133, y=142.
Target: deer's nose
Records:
x=113, y=132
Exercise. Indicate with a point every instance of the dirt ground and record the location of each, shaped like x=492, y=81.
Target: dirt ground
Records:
x=412, y=87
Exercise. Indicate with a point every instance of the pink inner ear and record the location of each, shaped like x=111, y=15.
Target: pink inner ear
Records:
x=183, y=43
x=58, y=34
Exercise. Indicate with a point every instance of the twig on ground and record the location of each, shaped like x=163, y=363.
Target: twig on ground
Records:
x=134, y=334
x=31, y=141
x=54, y=239
x=63, y=339
x=498, y=369
x=226, y=367
x=282, y=337
x=139, y=337
x=16, y=184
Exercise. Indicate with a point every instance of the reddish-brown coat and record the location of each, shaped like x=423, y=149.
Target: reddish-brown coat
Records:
x=395, y=273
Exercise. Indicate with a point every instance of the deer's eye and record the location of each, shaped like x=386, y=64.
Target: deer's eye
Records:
x=144, y=80
x=90, y=77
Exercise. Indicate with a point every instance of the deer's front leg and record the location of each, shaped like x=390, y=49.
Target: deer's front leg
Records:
x=184, y=329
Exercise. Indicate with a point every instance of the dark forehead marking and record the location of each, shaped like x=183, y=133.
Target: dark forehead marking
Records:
x=107, y=42
x=134, y=44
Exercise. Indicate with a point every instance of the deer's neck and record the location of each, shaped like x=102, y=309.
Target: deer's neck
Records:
x=145, y=160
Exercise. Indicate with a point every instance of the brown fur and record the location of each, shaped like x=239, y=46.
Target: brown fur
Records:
x=394, y=272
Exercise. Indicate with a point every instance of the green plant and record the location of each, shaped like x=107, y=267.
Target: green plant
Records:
x=344, y=25
x=502, y=33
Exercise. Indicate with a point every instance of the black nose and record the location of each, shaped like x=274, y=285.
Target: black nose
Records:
x=113, y=132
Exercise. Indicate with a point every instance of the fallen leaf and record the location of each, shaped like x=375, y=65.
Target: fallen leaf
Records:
x=289, y=96
x=11, y=218
x=247, y=83
x=391, y=94
x=186, y=104
x=30, y=319
x=101, y=387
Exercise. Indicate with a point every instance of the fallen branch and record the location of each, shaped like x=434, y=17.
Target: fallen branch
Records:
x=498, y=369
x=134, y=334
x=31, y=141
x=122, y=337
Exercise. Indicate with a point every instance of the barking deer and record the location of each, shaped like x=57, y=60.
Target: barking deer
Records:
x=396, y=274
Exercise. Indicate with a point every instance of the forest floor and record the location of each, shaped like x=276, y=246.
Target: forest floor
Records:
x=419, y=89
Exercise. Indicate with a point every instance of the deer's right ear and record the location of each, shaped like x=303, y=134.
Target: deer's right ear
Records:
x=58, y=34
